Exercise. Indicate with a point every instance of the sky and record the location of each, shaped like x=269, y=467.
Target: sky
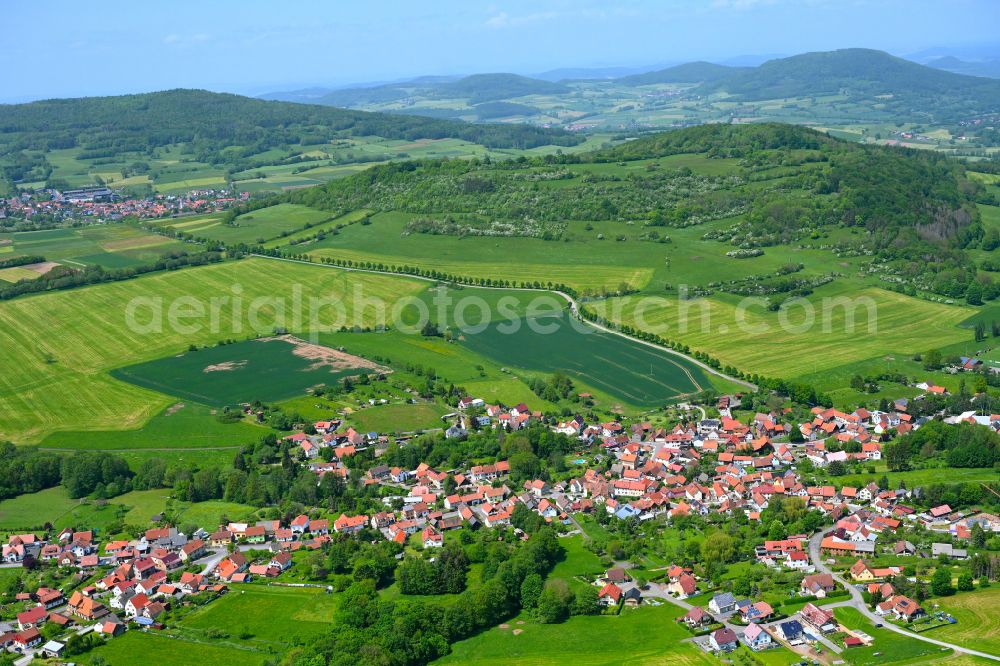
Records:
x=63, y=48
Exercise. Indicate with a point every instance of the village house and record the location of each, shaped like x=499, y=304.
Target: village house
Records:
x=723, y=640
x=756, y=638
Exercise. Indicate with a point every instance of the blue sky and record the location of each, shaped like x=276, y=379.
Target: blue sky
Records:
x=62, y=48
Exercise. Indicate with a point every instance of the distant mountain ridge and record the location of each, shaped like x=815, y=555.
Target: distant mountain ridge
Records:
x=219, y=120
x=691, y=72
x=987, y=68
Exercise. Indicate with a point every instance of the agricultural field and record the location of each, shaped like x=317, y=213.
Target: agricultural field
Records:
x=254, y=227
x=61, y=381
x=108, y=246
x=644, y=636
x=266, y=369
x=192, y=425
x=625, y=369
x=884, y=324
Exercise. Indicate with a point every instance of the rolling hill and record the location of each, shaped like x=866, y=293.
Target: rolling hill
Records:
x=901, y=85
x=218, y=121
x=987, y=68
x=692, y=72
x=476, y=89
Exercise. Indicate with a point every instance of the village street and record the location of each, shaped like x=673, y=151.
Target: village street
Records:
x=857, y=602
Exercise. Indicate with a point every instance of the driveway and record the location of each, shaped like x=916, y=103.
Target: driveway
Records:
x=857, y=602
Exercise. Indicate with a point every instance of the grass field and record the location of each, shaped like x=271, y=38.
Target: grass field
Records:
x=978, y=620
x=399, y=418
x=888, y=647
x=182, y=424
x=643, y=636
x=762, y=344
x=169, y=651
x=211, y=513
x=268, y=369
x=275, y=616
x=35, y=509
x=56, y=376
x=110, y=246
x=919, y=477
x=255, y=227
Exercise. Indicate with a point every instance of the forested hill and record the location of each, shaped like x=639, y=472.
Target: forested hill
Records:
x=217, y=121
x=914, y=205
x=899, y=84
x=692, y=72
x=475, y=89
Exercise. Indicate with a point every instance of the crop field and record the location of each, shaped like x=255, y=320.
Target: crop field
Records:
x=755, y=340
x=56, y=375
x=274, y=616
x=190, y=423
x=643, y=636
x=257, y=226
x=622, y=368
x=978, y=620
x=110, y=246
x=267, y=369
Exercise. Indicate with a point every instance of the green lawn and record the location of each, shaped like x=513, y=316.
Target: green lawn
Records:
x=643, y=636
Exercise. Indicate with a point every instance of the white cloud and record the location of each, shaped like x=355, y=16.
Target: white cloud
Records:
x=505, y=20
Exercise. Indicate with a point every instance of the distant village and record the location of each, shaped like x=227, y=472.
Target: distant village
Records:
x=103, y=204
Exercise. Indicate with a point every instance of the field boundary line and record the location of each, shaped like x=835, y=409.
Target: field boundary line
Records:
x=574, y=310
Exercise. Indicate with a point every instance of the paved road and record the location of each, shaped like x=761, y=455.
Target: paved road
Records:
x=857, y=602
x=573, y=306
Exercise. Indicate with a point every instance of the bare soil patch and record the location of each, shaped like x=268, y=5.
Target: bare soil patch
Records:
x=327, y=357
x=173, y=409
x=227, y=366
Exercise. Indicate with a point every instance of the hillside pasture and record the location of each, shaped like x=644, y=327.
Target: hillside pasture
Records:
x=55, y=375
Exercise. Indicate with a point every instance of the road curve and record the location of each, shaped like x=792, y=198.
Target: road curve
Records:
x=573, y=306
x=857, y=602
